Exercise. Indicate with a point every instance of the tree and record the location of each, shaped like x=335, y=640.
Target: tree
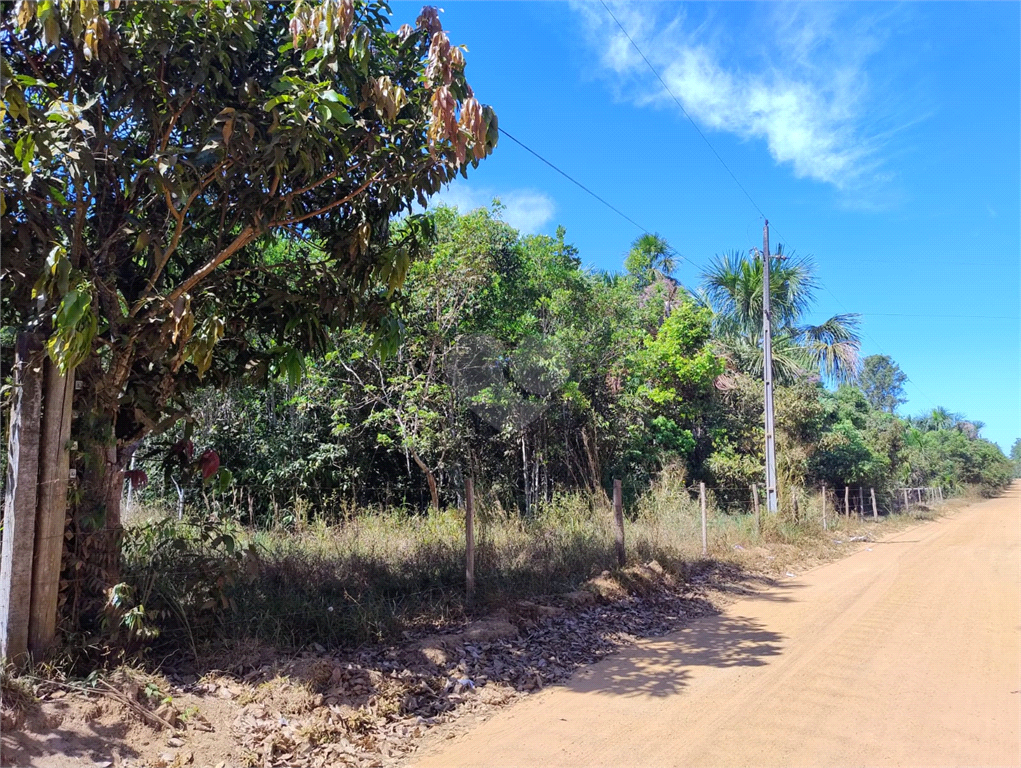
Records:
x=732, y=287
x=153, y=152
x=882, y=381
x=679, y=367
x=951, y=458
x=939, y=418
x=650, y=258
x=1015, y=456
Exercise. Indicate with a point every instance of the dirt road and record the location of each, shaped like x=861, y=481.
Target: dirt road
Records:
x=907, y=653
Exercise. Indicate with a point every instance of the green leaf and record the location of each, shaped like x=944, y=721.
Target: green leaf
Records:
x=338, y=112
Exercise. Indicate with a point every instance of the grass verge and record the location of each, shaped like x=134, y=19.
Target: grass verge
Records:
x=380, y=573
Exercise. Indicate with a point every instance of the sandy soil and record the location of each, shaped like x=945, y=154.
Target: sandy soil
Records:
x=906, y=653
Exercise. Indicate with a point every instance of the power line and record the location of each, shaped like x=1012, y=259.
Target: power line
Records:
x=722, y=162
x=868, y=335
x=681, y=106
x=573, y=180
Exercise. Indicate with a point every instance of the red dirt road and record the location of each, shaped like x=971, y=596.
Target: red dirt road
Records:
x=907, y=653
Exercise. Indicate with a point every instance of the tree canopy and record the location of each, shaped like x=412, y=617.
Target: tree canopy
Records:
x=733, y=285
x=206, y=191
x=882, y=381
x=152, y=150
x=589, y=376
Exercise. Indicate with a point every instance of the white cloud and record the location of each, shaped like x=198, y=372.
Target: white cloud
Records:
x=796, y=79
x=527, y=210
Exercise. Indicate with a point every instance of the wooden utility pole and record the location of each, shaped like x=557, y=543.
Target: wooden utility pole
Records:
x=469, y=530
x=767, y=375
x=824, y=507
x=618, y=523
x=701, y=503
x=20, y=498
x=755, y=504
x=52, y=506
x=875, y=512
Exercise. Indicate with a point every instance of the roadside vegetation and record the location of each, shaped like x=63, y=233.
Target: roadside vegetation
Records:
x=377, y=574
x=344, y=520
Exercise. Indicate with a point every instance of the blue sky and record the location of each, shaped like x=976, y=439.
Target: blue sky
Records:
x=881, y=139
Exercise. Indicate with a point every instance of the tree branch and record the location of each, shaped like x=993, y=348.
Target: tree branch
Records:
x=358, y=190
x=247, y=235
x=164, y=256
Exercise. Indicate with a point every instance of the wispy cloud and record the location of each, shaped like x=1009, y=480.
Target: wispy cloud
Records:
x=527, y=210
x=803, y=87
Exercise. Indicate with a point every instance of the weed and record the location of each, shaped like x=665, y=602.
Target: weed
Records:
x=16, y=696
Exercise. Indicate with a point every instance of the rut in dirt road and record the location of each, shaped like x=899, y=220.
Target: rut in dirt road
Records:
x=906, y=653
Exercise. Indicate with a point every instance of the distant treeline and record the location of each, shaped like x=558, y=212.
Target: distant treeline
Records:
x=539, y=376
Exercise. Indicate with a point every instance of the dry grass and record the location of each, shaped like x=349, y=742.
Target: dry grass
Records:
x=16, y=697
x=381, y=572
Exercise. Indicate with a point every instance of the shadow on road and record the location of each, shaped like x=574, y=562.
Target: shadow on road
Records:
x=663, y=667
x=733, y=580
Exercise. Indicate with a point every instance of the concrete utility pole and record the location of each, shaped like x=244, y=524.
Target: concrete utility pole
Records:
x=767, y=375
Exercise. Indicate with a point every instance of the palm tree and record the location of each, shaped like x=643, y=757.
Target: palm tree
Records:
x=940, y=418
x=650, y=258
x=732, y=288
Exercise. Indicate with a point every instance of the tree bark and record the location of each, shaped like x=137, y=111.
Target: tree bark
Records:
x=54, y=465
x=434, y=493
x=593, y=461
x=20, y=499
x=93, y=556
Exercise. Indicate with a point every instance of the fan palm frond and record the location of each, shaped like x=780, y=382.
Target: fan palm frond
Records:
x=733, y=284
x=732, y=287
x=834, y=347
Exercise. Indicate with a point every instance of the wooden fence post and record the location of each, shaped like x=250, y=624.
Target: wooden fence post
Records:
x=54, y=468
x=618, y=523
x=755, y=505
x=701, y=502
x=861, y=503
x=940, y=489
x=824, y=507
x=847, y=501
x=469, y=530
x=875, y=511
x=20, y=498
x=905, y=499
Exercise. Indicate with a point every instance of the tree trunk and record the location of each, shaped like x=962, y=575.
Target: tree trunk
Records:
x=524, y=473
x=20, y=499
x=593, y=461
x=434, y=493
x=93, y=558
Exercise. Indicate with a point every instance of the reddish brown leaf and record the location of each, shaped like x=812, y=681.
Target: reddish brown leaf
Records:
x=209, y=463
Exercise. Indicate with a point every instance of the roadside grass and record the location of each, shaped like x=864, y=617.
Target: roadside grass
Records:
x=379, y=573
x=16, y=697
